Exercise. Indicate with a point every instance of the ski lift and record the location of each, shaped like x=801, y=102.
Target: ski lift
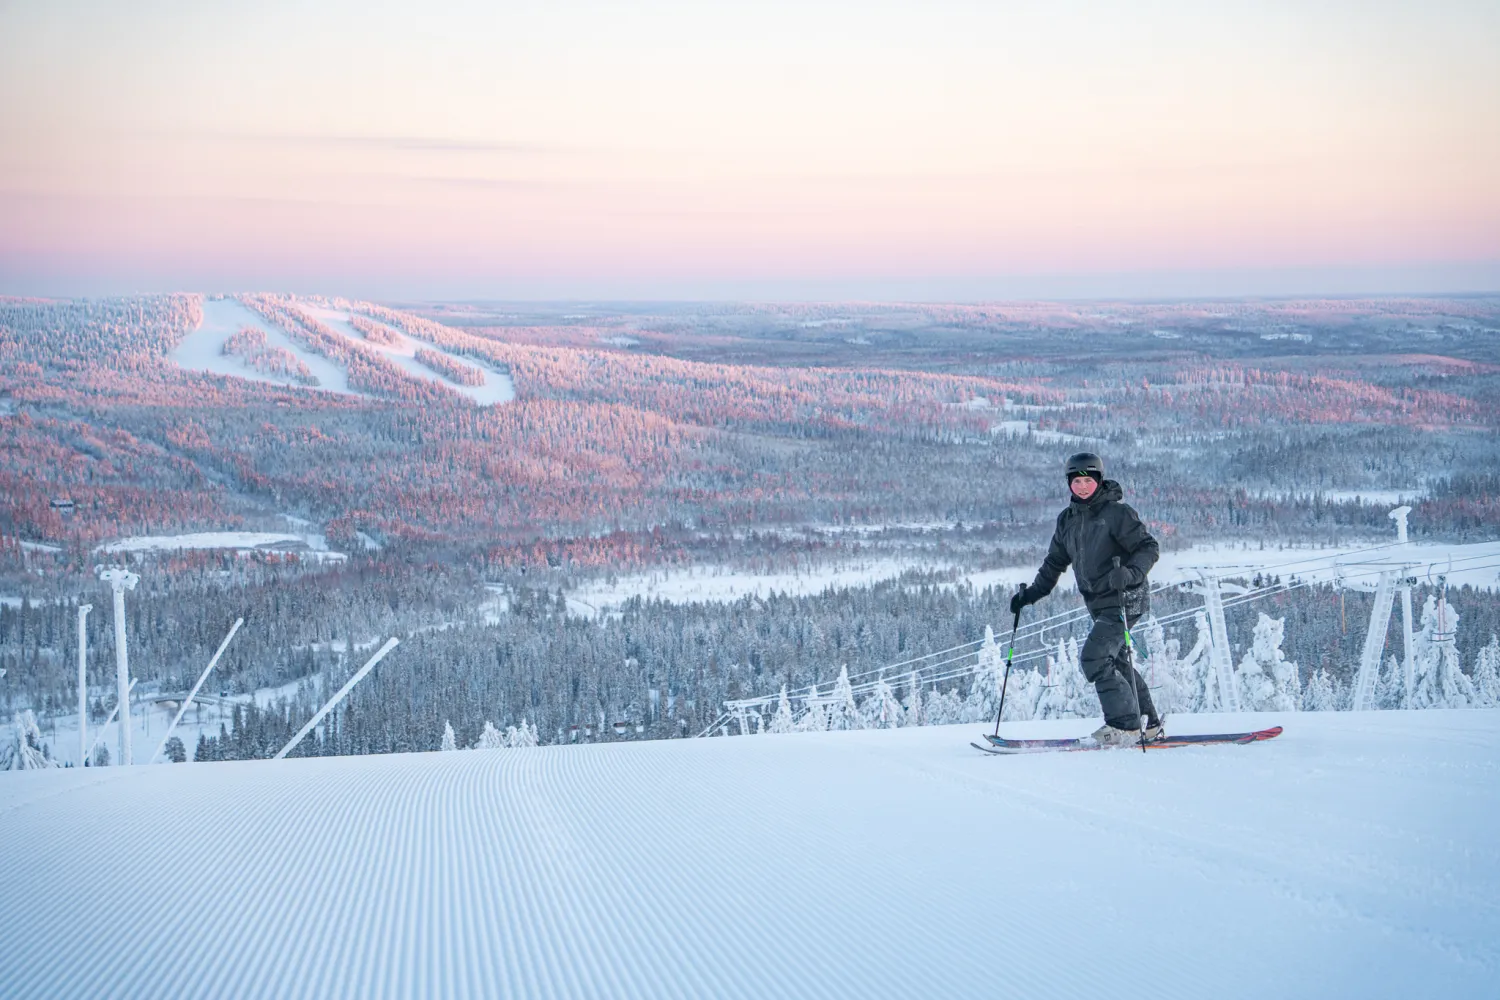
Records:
x=621, y=728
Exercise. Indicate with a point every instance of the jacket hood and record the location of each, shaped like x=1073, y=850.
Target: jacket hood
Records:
x=1108, y=490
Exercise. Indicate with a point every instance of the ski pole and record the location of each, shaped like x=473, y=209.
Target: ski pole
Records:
x=1015, y=627
x=1130, y=662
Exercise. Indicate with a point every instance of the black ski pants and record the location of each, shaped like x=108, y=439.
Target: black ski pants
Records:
x=1106, y=665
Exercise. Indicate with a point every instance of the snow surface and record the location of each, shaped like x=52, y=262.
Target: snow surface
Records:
x=1354, y=856
x=497, y=388
x=306, y=545
x=203, y=349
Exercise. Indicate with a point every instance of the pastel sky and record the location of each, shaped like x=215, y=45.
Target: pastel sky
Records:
x=655, y=149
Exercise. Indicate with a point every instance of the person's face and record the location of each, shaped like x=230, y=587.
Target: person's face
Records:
x=1083, y=487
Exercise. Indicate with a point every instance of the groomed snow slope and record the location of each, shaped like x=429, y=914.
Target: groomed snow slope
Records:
x=1355, y=856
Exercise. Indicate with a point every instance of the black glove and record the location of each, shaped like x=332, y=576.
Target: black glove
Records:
x=1023, y=597
x=1121, y=577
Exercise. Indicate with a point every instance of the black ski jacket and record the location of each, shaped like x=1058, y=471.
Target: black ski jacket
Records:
x=1089, y=535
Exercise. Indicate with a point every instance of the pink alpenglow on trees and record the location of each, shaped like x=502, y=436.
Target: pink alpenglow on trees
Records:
x=374, y=332
x=451, y=370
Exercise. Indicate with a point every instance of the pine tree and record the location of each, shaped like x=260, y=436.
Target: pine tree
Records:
x=984, y=690
x=1268, y=682
x=1440, y=683
x=1067, y=695
x=491, y=738
x=843, y=712
x=175, y=751
x=914, y=715
x=815, y=719
x=449, y=743
x=882, y=710
x=1320, y=695
x=526, y=736
x=1487, y=675
x=782, y=721
x=25, y=751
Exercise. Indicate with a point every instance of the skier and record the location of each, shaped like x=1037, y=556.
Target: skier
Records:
x=1111, y=552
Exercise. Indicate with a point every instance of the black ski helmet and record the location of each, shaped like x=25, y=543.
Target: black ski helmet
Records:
x=1085, y=463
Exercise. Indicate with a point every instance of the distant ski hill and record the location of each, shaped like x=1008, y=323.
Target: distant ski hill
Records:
x=1354, y=856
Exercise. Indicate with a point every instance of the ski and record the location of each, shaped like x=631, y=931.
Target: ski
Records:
x=1001, y=745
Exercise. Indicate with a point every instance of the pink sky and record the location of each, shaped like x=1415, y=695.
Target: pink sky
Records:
x=682, y=150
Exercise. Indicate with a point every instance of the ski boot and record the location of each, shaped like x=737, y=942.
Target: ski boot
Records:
x=1108, y=736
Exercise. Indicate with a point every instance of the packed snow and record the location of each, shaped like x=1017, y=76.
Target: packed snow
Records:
x=203, y=349
x=306, y=545
x=1353, y=856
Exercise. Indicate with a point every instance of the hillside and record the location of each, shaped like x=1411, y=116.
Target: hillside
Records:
x=1352, y=857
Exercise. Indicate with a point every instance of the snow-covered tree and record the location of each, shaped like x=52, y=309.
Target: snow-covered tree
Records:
x=882, y=710
x=25, y=750
x=175, y=751
x=1176, y=680
x=1268, y=681
x=815, y=718
x=1320, y=694
x=1440, y=683
x=1487, y=675
x=524, y=736
x=984, y=691
x=491, y=738
x=843, y=711
x=1022, y=694
x=914, y=713
x=1390, y=685
x=448, y=741
x=943, y=708
x=1063, y=693
x=783, y=721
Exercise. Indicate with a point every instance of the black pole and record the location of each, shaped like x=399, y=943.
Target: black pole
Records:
x=1005, y=682
x=1130, y=661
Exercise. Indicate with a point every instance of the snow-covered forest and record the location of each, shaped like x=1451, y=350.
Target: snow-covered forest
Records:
x=471, y=480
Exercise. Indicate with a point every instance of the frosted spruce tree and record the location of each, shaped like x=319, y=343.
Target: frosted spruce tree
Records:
x=1390, y=685
x=1320, y=694
x=843, y=712
x=25, y=751
x=943, y=708
x=491, y=738
x=815, y=719
x=783, y=721
x=1440, y=683
x=1063, y=693
x=1157, y=662
x=984, y=689
x=1487, y=675
x=882, y=710
x=448, y=741
x=1176, y=680
x=1268, y=681
x=525, y=736
x=914, y=713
